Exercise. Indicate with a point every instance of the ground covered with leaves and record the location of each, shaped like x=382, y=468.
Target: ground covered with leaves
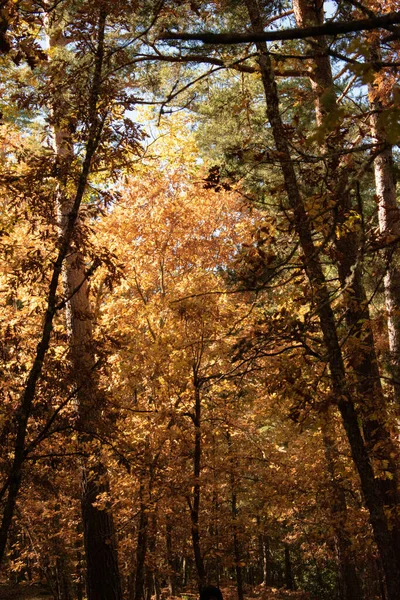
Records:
x=22, y=592
x=38, y=592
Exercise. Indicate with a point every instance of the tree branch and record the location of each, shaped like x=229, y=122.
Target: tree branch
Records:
x=295, y=33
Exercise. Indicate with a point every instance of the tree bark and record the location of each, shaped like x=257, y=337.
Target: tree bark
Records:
x=194, y=503
x=99, y=539
x=265, y=552
x=312, y=265
x=151, y=579
x=142, y=544
x=389, y=223
x=102, y=577
x=289, y=582
x=234, y=513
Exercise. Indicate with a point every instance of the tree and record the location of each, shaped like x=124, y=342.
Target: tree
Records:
x=168, y=235
x=212, y=352
x=303, y=227
x=88, y=123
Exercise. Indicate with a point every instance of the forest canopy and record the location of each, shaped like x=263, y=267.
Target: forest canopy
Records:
x=200, y=299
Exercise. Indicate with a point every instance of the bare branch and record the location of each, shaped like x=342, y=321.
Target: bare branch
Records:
x=295, y=33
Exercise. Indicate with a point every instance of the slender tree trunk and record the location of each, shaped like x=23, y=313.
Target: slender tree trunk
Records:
x=266, y=559
x=185, y=574
x=236, y=549
x=389, y=223
x=194, y=503
x=62, y=570
x=170, y=558
x=79, y=576
x=370, y=488
x=142, y=543
x=151, y=579
x=234, y=512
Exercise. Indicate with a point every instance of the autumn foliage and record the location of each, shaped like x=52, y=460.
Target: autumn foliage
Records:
x=199, y=289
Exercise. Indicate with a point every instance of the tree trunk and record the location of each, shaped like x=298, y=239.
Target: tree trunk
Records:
x=194, y=503
x=389, y=222
x=349, y=585
x=150, y=580
x=234, y=513
x=363, y=358
x=185, y=572
x=141, y=550
x=289, y=582
x=370, y=488
x=266, y=560
x=102, y=581
x=102, y=578
x=170, y=558
x=80, y=586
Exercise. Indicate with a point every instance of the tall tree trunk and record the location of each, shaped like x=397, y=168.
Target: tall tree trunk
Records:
x=151, y=575
x=194, y=502
x=389, y=222
x=102, y=578
x=185, y=572
x=142, y=543
x=289, y=582
x=234, y=513
x=363, y=358
x=265, y=553
x=80, y=586
x=370, y=488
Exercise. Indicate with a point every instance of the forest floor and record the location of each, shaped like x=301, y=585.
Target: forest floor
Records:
x=265, y=593
x=37, y=592
x=23, y=592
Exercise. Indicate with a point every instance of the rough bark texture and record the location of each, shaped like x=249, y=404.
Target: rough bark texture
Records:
x=389, y=225
x=370, y=488
x=102, y=578
x=100, y=546
x=311, y=14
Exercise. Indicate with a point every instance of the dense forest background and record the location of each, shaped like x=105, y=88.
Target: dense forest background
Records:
x=200, y=298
